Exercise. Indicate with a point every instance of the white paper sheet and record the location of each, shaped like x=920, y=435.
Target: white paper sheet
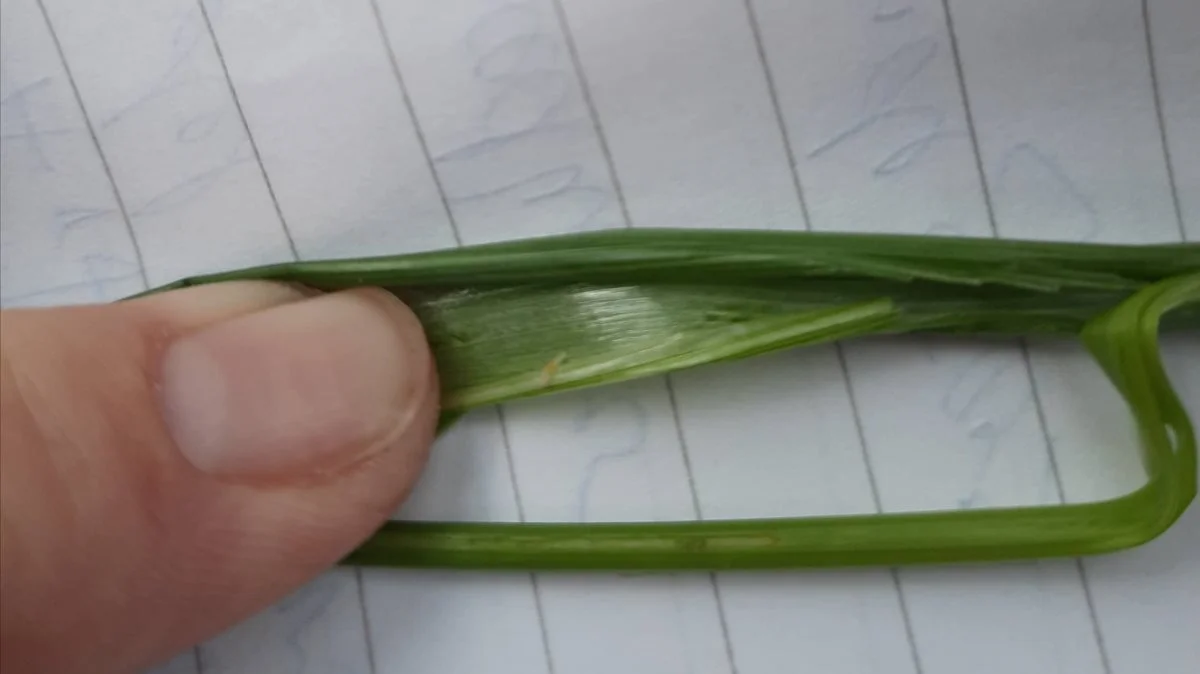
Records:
x=147, y=139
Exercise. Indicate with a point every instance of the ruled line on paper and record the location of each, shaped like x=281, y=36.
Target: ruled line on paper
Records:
x=297, y=614
x=290, y=199
x=412, y=114
x=452, y=220
x=520, y=18
x=995, y=232
x=189, y=661
x=668, y=381
x=984, y=189
x=598, y=126
x=919, y=60
x=735, y=645
x=773, y=93
x=718, y=599
x=909, y=633
x=539, y=602
x=97, y=283
x=1161, y=120
x=137, y=251
x=201, y=154
x=562, y=591
x=1024, y=351
x=806, y=219
x=928, y=49
x=1117, y=625
x=59, y=201
x=1170, y=161
x=237, y=104
x=1103, y=200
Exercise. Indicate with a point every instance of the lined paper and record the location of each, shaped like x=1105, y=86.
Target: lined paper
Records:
x=147, y=140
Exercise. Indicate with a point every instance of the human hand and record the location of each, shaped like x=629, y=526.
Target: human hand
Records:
x=172, y=464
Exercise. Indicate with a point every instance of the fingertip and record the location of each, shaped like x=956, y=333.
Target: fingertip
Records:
x=188, y=485
x=299, y=390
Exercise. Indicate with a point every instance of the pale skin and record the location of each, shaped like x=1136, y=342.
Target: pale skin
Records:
x=173, y=464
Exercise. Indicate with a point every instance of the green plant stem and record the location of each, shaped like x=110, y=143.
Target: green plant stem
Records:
x=535, y=317
x=1125, y=343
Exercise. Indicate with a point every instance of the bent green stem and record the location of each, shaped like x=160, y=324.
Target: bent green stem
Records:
x=540, y=316
x=1124, y=342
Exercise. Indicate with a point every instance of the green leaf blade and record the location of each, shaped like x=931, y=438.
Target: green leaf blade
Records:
x=534, y=317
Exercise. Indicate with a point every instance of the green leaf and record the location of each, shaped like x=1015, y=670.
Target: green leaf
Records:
x=528, y=318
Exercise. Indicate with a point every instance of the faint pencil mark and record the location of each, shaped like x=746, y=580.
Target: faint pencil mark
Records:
x=159, y=90
x=960, y=407
x=858, y=127
x=91, y=283
x=892, y=74
x=40, y=133
x=944, y=228
x=520, y=13
x=884, y=15
x=199, y=128
x=21, y=91
x=624, y=450
x=971, y=388
x=68, y=219
x=100, y=266
x=302, y=609
x=116, y=192
x=990, y=434
x=1151, y=62
x=187, y=36
x=889, y=77
x=548, y=184
x=237, y=103
x=190, y=189
x=1049, y=166
x=549, y=83
x=536, y=92
x=516, y=48
x=17, y=105
x=477, y=148
x=908, y=153
x=529, y=99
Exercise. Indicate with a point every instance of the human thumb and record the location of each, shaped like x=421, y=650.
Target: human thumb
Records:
x=172, y=464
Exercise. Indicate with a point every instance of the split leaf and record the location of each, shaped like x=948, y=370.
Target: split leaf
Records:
x=534, y=317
